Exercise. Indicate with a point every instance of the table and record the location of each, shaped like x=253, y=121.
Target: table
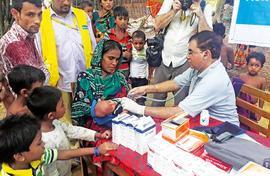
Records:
x=132, y=163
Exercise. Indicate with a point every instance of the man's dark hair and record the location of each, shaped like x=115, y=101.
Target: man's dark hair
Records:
x=43, y=100
x=23, y=76
x=208, y=40
x=16, y=135
x=18, y=4
x=138, y=34
x=84, y=4
x=219, y=29
x=258, y=56
x=120, y=11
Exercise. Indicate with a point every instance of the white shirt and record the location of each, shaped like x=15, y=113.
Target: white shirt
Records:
x=212, y=90
x=58, y=139
x=138, y=64
x=178, y=34
x=69, y=46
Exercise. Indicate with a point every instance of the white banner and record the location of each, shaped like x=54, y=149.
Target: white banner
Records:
x=251, y=23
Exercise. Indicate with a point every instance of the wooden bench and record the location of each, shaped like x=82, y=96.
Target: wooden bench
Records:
x=261, y=95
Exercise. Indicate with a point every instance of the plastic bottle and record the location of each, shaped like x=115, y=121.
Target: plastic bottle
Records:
x=204, y=118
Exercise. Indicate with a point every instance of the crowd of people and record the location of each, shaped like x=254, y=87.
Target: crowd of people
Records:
x=66, y=72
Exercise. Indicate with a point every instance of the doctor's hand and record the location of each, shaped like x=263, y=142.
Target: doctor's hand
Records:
x=137, y=92
x=132, y=106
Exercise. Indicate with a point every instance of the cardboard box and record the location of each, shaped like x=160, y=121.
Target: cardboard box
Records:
x=145, y=130
x=155, y=147
x=128, y=134
x=193, y=141
x=175, y=127
x=116, y=129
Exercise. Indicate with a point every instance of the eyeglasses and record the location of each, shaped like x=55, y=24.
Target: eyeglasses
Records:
x=190, y=52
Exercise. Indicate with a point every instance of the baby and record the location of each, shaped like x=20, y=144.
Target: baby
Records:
x=103, y=111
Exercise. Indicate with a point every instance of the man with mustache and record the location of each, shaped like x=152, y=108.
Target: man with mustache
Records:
x=67, y=43
x=17, y=46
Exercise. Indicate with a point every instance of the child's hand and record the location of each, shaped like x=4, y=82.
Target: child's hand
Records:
x=127, y=55
x=106, y=134
x=107, y=146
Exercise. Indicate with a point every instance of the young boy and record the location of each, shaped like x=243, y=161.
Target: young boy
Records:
x=88, y=7
x=47, y=106
x=226, y=53
x=255, y=61
x=119, y=33
x=22, y=150
x=138, y=65
x=22, y=80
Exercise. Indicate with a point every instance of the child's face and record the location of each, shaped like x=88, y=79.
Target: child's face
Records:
x=60, y=109
x=121, y=22
x=254, y=66
x=89, y=11
x=138, y=43
x=36, y=149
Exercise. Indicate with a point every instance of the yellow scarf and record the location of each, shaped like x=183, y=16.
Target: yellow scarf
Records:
x=48, y=43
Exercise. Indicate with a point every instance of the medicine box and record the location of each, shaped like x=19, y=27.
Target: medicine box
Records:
x=116, y=128
x=193, y=141
x=145, y=129
x=175, y=127
x=127, y=132
x=133, y=132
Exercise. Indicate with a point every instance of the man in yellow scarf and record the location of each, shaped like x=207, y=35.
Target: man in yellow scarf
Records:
x=67, y=44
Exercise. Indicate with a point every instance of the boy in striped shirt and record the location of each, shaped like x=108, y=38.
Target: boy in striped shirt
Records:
x=22, y=150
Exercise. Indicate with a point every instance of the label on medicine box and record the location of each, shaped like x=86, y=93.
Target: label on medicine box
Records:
x=155, y=146
x=175, y=127
x=125, y=131
x=116, y=129
x=130, y=139
x=145, y=129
